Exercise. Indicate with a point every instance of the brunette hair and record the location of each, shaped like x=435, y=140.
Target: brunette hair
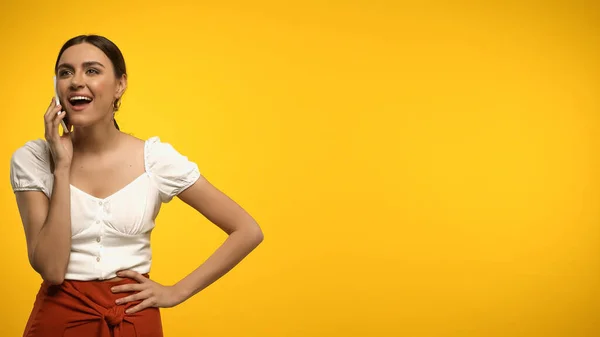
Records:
x=108, y=48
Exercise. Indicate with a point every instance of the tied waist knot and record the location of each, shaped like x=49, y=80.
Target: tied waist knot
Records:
x=82, y=308
x=114, y=316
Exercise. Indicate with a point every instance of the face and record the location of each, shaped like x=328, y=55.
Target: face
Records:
x=87, y=86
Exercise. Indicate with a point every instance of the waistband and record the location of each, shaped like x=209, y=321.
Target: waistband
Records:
x=90, y=301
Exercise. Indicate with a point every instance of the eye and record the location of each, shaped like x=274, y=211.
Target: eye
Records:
x=93, y=71
x=64, y=73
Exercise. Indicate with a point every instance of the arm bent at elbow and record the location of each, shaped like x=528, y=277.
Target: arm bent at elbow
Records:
x=47, y=224
x=244, y=235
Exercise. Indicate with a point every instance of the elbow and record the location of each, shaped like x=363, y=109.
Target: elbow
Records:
x=260, y=236
x=55, y=275
x=52, y=267
x=250, y=233
x=54, y=280
x=257, y=236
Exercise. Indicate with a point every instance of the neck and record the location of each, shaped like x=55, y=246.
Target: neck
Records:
x=95, y=138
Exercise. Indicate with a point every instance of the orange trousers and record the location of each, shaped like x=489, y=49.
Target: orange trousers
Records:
x=87, y=308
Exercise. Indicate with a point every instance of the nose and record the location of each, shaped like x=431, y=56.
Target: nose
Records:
x=77, y=80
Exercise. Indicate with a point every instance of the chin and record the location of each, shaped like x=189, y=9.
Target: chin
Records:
x=82, y=118
x=78, y=122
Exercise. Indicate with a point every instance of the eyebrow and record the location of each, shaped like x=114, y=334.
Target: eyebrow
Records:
x=85, y=64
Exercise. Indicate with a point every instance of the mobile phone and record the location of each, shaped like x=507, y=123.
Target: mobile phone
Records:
x=64, y=121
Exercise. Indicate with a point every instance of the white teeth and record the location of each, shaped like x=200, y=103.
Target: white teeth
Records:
x=80, y=98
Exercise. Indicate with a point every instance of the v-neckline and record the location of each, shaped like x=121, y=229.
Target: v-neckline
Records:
x=145, y=153
x=112, y=194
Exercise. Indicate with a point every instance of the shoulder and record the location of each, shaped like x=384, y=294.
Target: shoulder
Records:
x=154, y=148
x=33, y=153
x=159, y=152
x=172, y=171
x=30, y=167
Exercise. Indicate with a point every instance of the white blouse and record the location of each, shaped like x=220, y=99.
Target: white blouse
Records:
x=112, y=233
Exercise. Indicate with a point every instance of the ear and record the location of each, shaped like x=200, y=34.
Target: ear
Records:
x=121, y=86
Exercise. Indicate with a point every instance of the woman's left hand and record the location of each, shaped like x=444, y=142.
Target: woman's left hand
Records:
x=149, y=292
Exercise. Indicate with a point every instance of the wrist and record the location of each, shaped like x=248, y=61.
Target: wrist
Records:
x=62, y=171
x=180, y=292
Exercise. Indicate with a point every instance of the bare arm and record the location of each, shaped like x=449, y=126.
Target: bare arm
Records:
x=47, y=221
x=47, y=225
x=244, y=235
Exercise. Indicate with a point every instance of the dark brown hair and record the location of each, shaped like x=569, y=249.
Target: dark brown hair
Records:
x=108, y=48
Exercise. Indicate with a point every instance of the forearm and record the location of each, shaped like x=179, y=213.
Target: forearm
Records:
x=235, y=248
x=53, y=244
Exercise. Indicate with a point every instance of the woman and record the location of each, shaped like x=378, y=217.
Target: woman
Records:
x=88, y=199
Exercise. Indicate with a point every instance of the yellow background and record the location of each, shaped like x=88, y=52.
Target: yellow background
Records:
x=418, y=169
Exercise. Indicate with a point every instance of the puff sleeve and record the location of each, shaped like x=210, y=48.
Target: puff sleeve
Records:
x=171, y=171
x=30, y=168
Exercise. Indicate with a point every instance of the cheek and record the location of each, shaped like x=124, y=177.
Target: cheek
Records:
x=99, y=88
x=102, y=88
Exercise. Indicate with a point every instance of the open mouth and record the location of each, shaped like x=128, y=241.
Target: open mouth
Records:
x=80, y=101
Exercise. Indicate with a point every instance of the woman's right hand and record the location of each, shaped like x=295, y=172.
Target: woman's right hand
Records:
x=61, y=146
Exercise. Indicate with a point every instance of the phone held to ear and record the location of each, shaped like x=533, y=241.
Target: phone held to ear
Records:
x=64, y=121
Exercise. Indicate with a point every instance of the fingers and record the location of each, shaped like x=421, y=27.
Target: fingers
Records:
x=53, y=108
x=52, y=125
x=128, y=288
x=147, y=303
x=52, y=118
x=133, y=275
x=142, y=287
x=60, y=115
x=135, y=297
x=52, y=104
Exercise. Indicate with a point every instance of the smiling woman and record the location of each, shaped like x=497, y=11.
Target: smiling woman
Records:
x=97, y=65
x=88, y=200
